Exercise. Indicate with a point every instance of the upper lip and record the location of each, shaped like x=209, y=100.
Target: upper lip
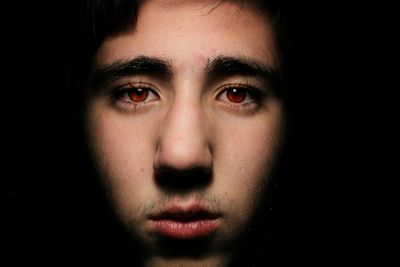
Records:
x=185, y=213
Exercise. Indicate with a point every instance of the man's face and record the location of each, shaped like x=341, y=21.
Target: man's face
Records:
x=184, y=126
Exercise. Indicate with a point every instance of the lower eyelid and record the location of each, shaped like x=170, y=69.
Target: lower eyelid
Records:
x=134, y=106
x=250, y=106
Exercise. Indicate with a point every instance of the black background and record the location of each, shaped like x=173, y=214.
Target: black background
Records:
x=337, y=209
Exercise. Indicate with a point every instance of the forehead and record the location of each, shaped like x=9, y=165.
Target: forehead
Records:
x=200, y=30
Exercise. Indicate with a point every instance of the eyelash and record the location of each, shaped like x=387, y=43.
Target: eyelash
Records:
x=119, y=96
x=257, y=96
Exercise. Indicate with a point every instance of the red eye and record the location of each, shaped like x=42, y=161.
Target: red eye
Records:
x=236, y=95
x=138, y=94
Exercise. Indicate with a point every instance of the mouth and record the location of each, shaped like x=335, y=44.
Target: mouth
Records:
x=185, y=223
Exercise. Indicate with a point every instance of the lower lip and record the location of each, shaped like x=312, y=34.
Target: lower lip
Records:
x=185, y=230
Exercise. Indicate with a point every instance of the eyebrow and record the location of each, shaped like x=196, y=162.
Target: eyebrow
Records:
x=138, y=65
x=228, y=65
x=219, y=67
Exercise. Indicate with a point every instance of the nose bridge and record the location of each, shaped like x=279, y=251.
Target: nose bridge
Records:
x=183, y=142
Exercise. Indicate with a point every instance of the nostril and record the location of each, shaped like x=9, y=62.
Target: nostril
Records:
x=183, y=180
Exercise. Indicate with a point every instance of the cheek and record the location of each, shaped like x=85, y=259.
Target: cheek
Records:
x=123, y=159
x=244, y=160
x=245, y=172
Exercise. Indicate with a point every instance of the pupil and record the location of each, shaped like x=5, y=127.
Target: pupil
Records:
x=138, y=94
x=236, y=95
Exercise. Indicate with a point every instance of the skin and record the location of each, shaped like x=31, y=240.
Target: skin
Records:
x=188, y=126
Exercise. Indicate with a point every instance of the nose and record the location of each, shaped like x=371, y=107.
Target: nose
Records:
x=184, y=153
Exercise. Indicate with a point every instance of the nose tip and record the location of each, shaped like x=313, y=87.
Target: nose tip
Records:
x=183, y=153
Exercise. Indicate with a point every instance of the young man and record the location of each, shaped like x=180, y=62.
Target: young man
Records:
x=185, y=119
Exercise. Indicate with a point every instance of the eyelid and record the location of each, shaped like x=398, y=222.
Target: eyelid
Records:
x=133, y=85
x=119, y=98
x=253, y=91
x=119, y=90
